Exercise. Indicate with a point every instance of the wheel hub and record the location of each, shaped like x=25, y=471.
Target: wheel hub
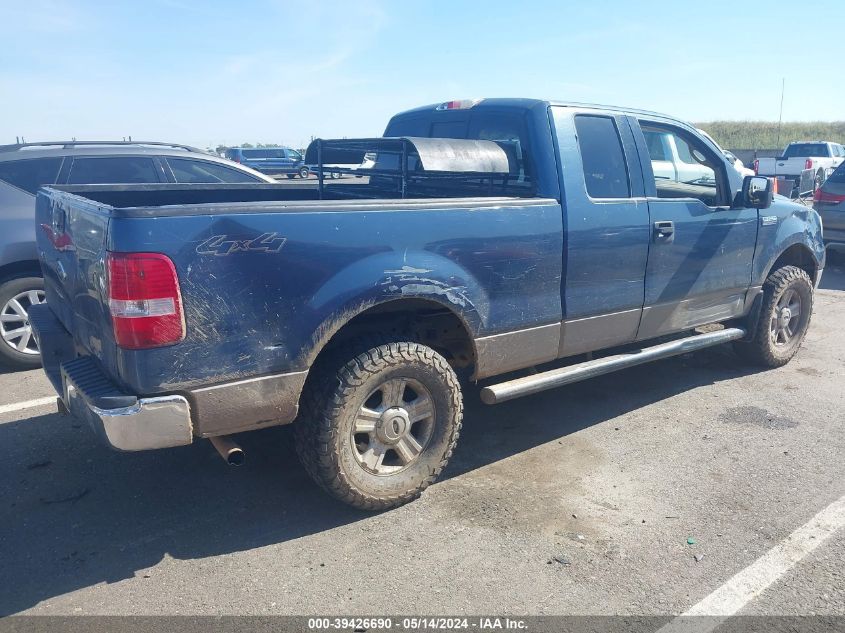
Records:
x=785, y=316
x=392, y=426
x=15, y=327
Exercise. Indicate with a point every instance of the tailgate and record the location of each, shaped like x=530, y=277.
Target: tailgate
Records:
x=71, y=239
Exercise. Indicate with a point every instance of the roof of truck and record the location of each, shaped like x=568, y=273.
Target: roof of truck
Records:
x=531, y=103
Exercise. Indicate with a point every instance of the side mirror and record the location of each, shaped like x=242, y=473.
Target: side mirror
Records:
x=757, y=192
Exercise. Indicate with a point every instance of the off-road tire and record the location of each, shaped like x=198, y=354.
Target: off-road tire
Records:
x=336, y=390
x=762, y=350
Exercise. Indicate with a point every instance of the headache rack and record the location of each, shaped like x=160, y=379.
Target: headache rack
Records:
x=413, y=166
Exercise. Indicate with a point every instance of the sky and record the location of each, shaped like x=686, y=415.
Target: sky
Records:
x=276, y=71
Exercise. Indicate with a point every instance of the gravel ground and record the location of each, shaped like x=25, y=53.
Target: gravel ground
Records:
x=575, y=501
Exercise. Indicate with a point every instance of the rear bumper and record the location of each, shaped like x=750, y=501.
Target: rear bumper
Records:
x=160, y=422
x=124, y=421
x=128, y=422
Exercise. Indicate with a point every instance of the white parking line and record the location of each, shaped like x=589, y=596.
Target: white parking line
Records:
x=728, y=599
x=20, y=406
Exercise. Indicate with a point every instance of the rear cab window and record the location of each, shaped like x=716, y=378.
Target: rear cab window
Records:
x=30, y=174
x=803, y=150
x=602, y=156
x=508, y=129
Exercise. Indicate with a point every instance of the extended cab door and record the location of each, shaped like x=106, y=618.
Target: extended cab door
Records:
x=606, y=228
x=701, y=251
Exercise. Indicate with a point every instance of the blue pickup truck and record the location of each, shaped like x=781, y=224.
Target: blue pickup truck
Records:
x=518, y=243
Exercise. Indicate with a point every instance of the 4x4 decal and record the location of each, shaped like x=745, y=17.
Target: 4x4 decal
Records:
x=222, y=245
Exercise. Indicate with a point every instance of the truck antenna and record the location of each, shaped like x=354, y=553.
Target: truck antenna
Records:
x=780, y=116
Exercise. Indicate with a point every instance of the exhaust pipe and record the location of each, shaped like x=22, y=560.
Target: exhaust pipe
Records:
x=229, y=451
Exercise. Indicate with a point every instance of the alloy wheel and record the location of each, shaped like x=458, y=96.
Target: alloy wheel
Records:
x=15, y=329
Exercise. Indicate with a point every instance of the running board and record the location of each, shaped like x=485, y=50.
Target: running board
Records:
x=494, y=394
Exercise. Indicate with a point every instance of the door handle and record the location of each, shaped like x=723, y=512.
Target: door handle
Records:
x=664, y=231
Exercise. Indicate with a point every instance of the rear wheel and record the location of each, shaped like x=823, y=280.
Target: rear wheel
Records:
x=819, y=180
x=291, y=176
x=784, y=318
x=17, y=343
x=377, y=428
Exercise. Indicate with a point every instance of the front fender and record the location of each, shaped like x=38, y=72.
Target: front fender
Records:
x=795, y=224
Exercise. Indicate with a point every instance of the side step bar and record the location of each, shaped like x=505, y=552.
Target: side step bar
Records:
x=494, y=394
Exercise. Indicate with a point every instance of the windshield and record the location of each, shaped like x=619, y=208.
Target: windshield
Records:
x=803, y=150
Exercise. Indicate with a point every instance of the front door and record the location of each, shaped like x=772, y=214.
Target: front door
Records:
x=701, y=251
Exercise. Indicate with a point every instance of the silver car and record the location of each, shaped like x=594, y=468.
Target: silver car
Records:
x=25, y=167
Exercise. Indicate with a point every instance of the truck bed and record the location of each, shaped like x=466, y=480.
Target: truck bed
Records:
x=167, y=200
x=267, y=272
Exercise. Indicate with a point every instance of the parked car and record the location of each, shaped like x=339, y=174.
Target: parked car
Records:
x=819, y=158
x=270, y=160
x=732, y=159
x=523, y=232
x=25, y=167
x=829, y=201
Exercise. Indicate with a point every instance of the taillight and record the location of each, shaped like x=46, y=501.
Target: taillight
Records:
x=756, y=166
x=144, y=300
x=808, y=164
x=823, y=196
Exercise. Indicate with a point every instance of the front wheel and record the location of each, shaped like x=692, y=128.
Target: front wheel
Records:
x=303, y=172
x=784, y=318
x=378, y=428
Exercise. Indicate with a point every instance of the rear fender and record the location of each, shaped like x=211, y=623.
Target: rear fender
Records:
x=391, y=276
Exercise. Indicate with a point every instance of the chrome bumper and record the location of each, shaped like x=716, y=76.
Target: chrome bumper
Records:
x=159, y=422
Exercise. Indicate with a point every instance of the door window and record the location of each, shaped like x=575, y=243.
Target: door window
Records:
x=605, y=170
x=187, y=170
x=263, y=153
x=684, y=167
x=30, y=174
x=116, y=169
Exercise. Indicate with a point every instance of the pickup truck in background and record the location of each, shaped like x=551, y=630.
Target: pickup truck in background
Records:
x=492, y=237
x=817, y=158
